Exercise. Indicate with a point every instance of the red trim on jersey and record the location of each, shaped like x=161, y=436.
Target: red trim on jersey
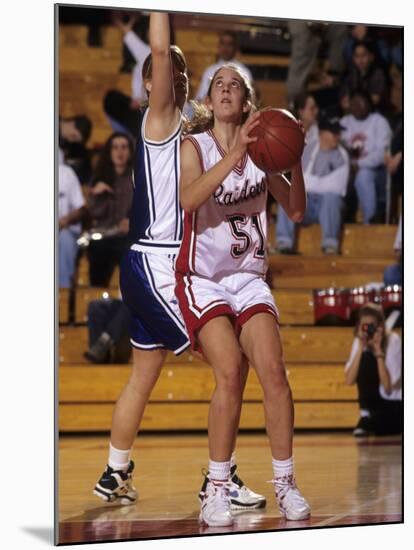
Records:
x=186, y=256
x=197, y=147
x=192, y=322
x=248, y=313
x=240, y=166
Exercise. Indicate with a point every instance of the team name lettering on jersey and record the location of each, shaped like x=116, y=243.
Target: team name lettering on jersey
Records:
x=228, y=198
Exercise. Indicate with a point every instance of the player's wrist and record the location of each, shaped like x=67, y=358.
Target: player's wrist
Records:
x=236, y=154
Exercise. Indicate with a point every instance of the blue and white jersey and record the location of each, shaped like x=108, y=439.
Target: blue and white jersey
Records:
x=156, y=215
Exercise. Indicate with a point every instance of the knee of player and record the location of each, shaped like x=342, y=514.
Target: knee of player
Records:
x=275, y=375
x=229, y=378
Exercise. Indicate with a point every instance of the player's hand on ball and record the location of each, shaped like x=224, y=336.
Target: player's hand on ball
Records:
x=242, y=138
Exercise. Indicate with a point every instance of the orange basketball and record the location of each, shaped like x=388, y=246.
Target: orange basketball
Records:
x=280, y=141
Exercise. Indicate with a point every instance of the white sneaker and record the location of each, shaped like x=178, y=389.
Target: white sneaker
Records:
x=292, y=504
x=215, y=507
x=241, y=497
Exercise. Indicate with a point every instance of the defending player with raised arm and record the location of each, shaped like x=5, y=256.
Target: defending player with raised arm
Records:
x=147, y=273
x=146, y=276
x=226, y=304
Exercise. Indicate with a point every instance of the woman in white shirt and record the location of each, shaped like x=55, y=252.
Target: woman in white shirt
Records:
x=375, y=366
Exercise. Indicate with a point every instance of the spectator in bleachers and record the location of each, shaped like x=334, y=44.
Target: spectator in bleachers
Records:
x=227, y=51
x=365, y=74
x=74, y=133
x=307, y=111
x=385, y=45
x=108, y=332
x=122, y=110
x=367, y=136
x=71, y=209
x=375, y=366
x=393, y=273
x=306, y=39
x=394, y=164
x=109, y=203
x=326, y=171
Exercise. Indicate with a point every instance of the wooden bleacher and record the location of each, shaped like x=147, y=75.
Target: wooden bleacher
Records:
x=86, y=74
x=315, y=356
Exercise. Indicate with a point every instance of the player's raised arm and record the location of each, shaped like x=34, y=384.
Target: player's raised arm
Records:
x=291, y=195
x=164, y=115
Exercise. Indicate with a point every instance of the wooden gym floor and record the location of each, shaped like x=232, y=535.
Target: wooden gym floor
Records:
x=347, y=482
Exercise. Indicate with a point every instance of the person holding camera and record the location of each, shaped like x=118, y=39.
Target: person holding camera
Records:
x=375, y=366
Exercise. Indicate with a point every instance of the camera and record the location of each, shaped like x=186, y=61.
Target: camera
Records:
x=370, y=329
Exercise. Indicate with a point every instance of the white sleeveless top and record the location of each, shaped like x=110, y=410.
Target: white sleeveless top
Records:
x=227, y=234
x=156, y=215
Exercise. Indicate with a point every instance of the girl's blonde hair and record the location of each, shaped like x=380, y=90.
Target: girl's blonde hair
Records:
x=203, y=119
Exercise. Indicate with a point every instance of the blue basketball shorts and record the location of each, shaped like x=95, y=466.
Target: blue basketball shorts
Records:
x=147, y=288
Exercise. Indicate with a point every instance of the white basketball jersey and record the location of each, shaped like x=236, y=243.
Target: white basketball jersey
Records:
x=227, y=234
x=156, y=215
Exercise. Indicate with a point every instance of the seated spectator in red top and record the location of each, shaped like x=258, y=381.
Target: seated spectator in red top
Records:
x=367, y=75
x=109, y=203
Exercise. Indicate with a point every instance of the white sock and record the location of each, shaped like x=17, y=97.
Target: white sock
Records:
x=283, y=470
x=118, y=459
x=233, y=459
x=218, y=471
x=364, y=413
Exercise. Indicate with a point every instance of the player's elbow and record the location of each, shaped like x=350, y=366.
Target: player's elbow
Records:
x=187, y=204
x=159, y=49
x=297, y=216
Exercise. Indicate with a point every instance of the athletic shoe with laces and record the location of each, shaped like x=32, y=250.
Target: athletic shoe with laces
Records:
x=241, y=497
x=215, y=506
x=292, y=504
x=116, y=485
x=364, y=427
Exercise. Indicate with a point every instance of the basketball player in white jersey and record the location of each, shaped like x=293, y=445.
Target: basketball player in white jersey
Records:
x=227, y=306
x=147, y=275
